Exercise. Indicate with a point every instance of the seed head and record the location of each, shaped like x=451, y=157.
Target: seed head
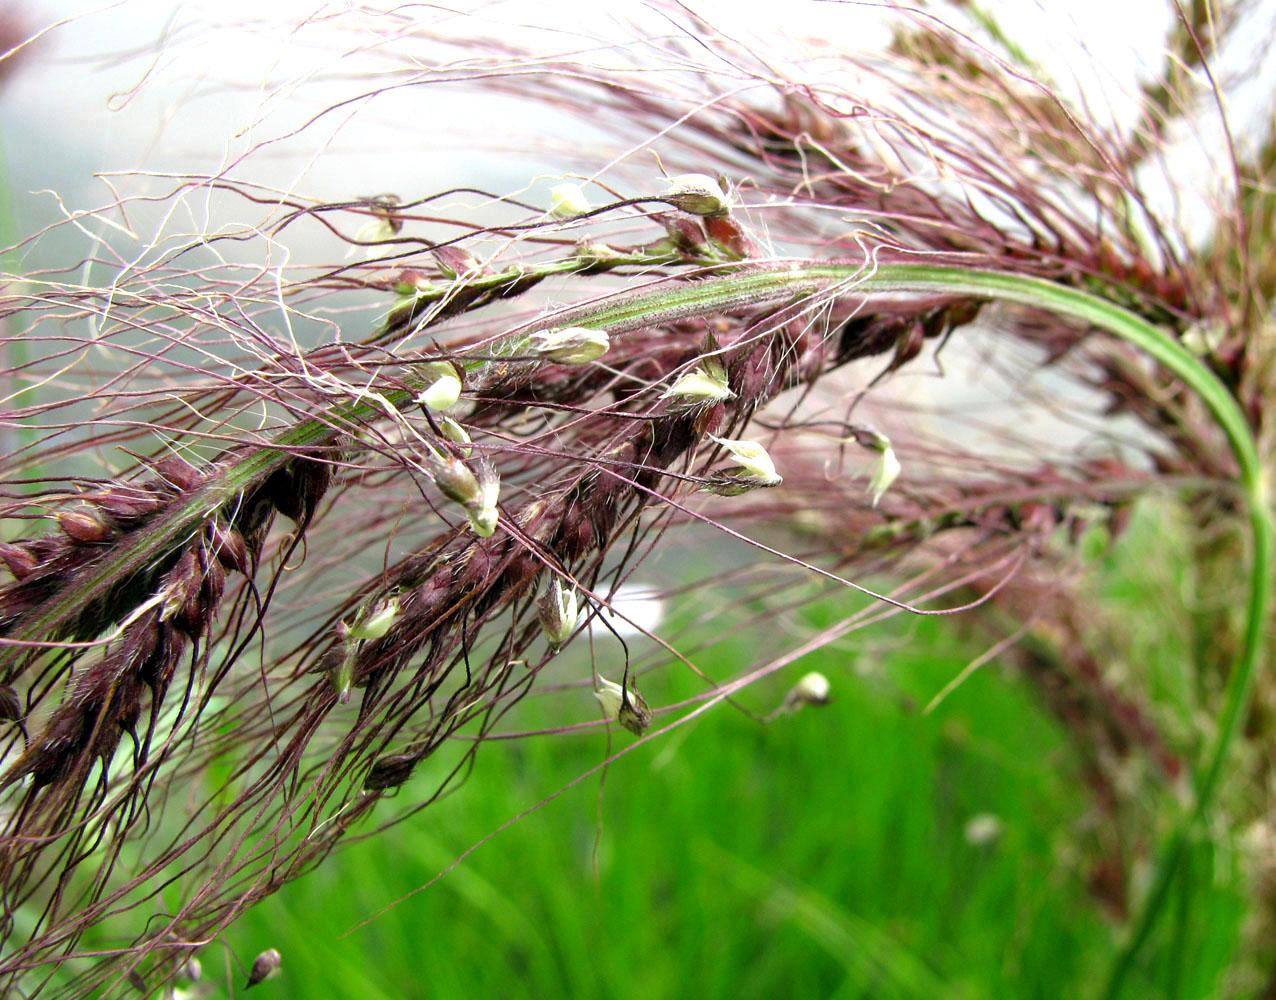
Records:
x=887, y=467
x=21, y=562
x=627, y=707
x=338, y=664
x=456, y=263
x=445, y=380
x=10, y=705
x=729, y=238
x=730, y=484
x=755, y=469
x=376, y=622
x=704, y=386
x=229, y=547
x=82, y=526
x=476, y=489
x=700, y=194
x=390, y=771
x=126, y=503
x=180, y=592
x=569, y=201
x=573, y=345
x=455, y=479
x=265, y=965
x=410, y=281
x=558, y=613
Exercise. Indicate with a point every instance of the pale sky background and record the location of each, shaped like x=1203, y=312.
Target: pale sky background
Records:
x=73, y=110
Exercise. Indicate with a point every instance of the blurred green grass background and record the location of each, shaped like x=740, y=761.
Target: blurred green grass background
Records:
x=863, y=849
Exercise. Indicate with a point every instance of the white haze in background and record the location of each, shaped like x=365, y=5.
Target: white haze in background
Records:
x=74, y=109
x=194, y=87
x=635, y=610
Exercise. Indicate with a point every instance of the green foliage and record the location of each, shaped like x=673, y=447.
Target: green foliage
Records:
x=827, y=854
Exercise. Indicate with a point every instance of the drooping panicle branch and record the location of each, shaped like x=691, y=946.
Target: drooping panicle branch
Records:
x=542, y=390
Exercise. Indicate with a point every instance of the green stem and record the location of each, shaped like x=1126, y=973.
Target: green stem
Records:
x=771, y=284
x=776, y=284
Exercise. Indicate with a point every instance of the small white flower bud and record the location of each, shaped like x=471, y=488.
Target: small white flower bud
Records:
x=812, y=689
x=377, y=622
x=444, y=385
x=478, y=492
x=887, y=467
x=558, y=613
x=569, y=201
x=372, y=233
x=1203, y=339
x=755, y=462
x=609, y=696
x=483, y=513
x=703, y=386
x=385, y=225
x=885, y=471
x=265, y=965
x=700, y=194
x=629, y=708
x=983, y=830
x=455, y=432
x=573, y=345
x=483, y=522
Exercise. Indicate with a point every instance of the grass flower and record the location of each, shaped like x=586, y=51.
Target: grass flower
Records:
x=698, y=194
x=624, y=705
x=443, y=388
x=702, y=386
x=376, y=623
x=571, y=346
x=568, y=201
x=755, y=469
x=559, y=614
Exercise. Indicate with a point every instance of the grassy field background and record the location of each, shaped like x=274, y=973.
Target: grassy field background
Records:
x=859, y=850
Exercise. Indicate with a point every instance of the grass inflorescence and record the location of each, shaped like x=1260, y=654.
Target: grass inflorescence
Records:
x=282, y=540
